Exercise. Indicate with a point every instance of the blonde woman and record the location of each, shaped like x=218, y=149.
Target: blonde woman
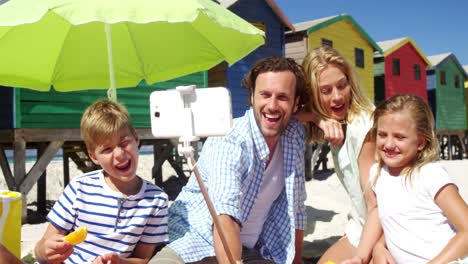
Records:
x=336, y=94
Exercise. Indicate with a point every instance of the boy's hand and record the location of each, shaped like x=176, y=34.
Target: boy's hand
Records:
x=110, y=258
x=56, y=250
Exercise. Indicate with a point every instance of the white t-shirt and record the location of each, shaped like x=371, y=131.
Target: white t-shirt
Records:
x=270, y=189
x=416, y=229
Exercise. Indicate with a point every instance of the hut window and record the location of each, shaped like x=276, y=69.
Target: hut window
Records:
x=359, y=57
x=396, y=66
x=417, y=72
x=457, y=81
x=443, y=81
x=327, y=42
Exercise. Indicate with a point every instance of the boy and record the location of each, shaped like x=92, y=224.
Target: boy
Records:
x=126, y=216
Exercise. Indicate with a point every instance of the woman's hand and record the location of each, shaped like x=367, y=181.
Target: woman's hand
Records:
x=332, y=130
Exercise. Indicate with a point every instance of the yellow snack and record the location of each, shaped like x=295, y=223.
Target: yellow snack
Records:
x=330, y=262
x=77, y=236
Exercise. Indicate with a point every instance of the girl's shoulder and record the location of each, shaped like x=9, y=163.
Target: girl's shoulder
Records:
x=432, y=177
x=433, y=168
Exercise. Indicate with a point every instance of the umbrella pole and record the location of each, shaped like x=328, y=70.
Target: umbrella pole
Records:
x=111, y=93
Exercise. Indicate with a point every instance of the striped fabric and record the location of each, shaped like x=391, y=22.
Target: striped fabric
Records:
x=232, y=168
x=115, y=223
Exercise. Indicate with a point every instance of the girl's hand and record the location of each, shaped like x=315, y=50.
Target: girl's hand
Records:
x=110, y=258
x=333, y=131
x=380, y=255
x=354, y=260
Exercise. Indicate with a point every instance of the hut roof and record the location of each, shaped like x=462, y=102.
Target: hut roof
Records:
x=316, y=24
x=389, y=46
x=436, y=60
x=271, y=4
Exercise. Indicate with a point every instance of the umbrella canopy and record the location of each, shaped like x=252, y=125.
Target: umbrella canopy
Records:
x=88, y=44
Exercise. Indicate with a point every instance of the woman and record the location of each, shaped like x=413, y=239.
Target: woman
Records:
x=336, y=94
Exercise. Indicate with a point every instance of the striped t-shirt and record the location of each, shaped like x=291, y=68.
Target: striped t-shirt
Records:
x=115, y=223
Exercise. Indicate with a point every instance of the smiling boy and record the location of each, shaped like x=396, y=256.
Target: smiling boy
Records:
x=126, y=216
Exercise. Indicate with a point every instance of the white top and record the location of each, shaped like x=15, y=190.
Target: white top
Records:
x=115, y=223
x=345, y=159
x=270, y=189
x=416, y=229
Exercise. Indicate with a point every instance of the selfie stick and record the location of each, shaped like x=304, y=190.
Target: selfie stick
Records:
x=187, y=150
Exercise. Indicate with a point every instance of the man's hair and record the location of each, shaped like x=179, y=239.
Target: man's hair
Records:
x=102, y=120
x=277, y=64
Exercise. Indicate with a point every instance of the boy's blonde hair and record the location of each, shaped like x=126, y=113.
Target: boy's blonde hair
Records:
x=421, y=115
x=314, y=63
x=102, y=120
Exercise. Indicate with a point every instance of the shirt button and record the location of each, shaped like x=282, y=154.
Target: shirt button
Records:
x=120, y=221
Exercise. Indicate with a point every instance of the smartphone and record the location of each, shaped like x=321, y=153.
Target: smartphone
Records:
x=210, y=107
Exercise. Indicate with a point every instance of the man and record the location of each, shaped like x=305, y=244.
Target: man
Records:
x=254, y=176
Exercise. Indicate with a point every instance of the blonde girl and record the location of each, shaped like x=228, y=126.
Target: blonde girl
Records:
x=423, y=217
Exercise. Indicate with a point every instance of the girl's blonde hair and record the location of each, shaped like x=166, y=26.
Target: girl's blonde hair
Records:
x=421, y=115
x=316, y=61
x=102, y=120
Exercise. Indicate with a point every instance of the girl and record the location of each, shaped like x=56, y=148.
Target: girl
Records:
x=336, y=94
x=424, y=218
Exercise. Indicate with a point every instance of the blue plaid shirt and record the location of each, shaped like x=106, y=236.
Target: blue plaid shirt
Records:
x=232, y=168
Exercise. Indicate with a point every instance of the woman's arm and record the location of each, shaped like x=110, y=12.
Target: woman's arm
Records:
x=365, y=160
x=456, y=210
x=332, y=129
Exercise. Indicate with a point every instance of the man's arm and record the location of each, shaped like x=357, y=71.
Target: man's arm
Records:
x=298, y=245
x=231, y=230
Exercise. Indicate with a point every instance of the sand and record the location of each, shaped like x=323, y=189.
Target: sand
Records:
x=327, y=202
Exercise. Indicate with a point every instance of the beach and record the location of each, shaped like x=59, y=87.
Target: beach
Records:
x=327, y=203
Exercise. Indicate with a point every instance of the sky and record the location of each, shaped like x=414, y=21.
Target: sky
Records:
x=435, y=26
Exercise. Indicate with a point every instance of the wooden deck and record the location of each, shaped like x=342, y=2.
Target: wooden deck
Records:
x=48, y=142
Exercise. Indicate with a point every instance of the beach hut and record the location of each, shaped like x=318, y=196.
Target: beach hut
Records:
x=401, y=69
x=343, y=33
x=48, y=122
x=446, y=92
x=267, y=16
x=465, y=67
